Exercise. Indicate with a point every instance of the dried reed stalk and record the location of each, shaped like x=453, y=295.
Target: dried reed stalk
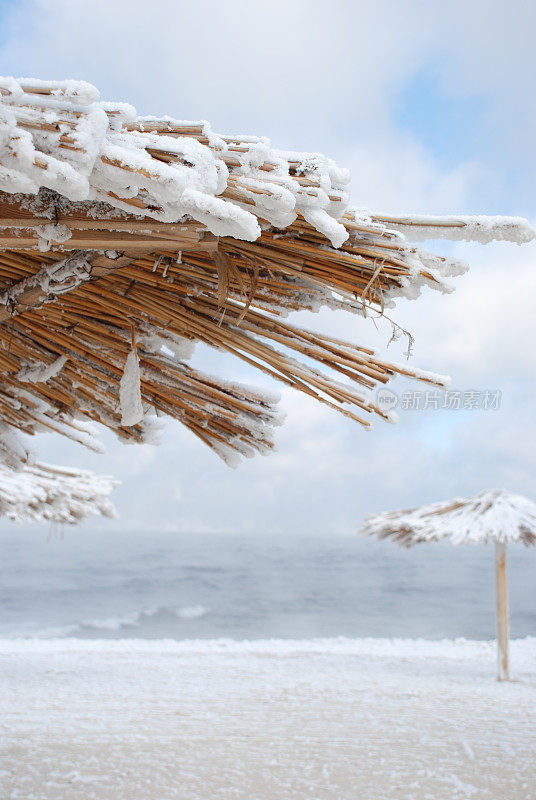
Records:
x=233, y=301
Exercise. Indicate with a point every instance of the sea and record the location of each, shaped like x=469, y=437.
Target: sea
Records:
x=166, y=585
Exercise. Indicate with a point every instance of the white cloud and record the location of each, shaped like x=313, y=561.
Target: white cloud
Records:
x=486, y=327
x=394, y=173
x=287, y=66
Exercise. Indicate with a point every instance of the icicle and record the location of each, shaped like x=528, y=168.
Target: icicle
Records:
x=130, y=389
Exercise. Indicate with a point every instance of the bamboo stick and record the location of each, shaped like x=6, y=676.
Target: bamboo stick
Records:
x=502, y=612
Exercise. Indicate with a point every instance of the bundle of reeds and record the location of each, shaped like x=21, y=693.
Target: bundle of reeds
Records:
x=124, y=240
x=231, y=300
x=46, y=493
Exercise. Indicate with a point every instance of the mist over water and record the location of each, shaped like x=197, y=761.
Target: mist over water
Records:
x=180, y=586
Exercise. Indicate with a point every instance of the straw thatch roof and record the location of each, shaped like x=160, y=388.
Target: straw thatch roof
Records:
x=490, y=516
x=42, y=492
x=124, y=240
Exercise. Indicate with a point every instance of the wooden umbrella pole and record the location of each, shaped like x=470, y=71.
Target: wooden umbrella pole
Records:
x=502, y=611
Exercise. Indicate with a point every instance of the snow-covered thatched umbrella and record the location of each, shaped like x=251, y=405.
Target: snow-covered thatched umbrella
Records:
x=42, y=492
x=494, y=516
x=124, y=240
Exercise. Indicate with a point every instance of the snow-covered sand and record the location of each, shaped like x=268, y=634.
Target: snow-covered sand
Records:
x=362, y=719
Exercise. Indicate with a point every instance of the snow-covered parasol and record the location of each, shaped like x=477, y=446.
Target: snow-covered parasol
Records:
x=124, y=240
x=494, y=516
x=42, y=492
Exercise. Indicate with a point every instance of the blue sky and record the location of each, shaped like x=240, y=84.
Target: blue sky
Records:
x=448, y=125
x=455, y=127
x=431, y=106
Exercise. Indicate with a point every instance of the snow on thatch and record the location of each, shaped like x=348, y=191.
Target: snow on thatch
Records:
x=41, y=492
x=58, y=135
x=490, y=516
x=477, y=228
x=124, y=240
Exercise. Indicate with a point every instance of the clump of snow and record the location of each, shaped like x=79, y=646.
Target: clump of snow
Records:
x=51, y=233
x=130, y=391
x=40, y=373
x=77, y=91
x=156, y=341
x=152, y=429
x=332, y=230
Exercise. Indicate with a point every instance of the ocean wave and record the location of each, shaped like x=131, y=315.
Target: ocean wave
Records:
x=127, y=623
x=131, y=620
x=53, y=632
x=138, y=618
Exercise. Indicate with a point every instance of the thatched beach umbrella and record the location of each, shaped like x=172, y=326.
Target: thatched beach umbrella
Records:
x=492, y=516
x=45, y=493
x=125, y=239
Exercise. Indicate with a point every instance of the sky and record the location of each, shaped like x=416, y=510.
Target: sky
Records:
x=431, y=106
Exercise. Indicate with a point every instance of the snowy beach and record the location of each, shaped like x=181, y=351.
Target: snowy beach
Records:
x=374, y=719
x=341, y=280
